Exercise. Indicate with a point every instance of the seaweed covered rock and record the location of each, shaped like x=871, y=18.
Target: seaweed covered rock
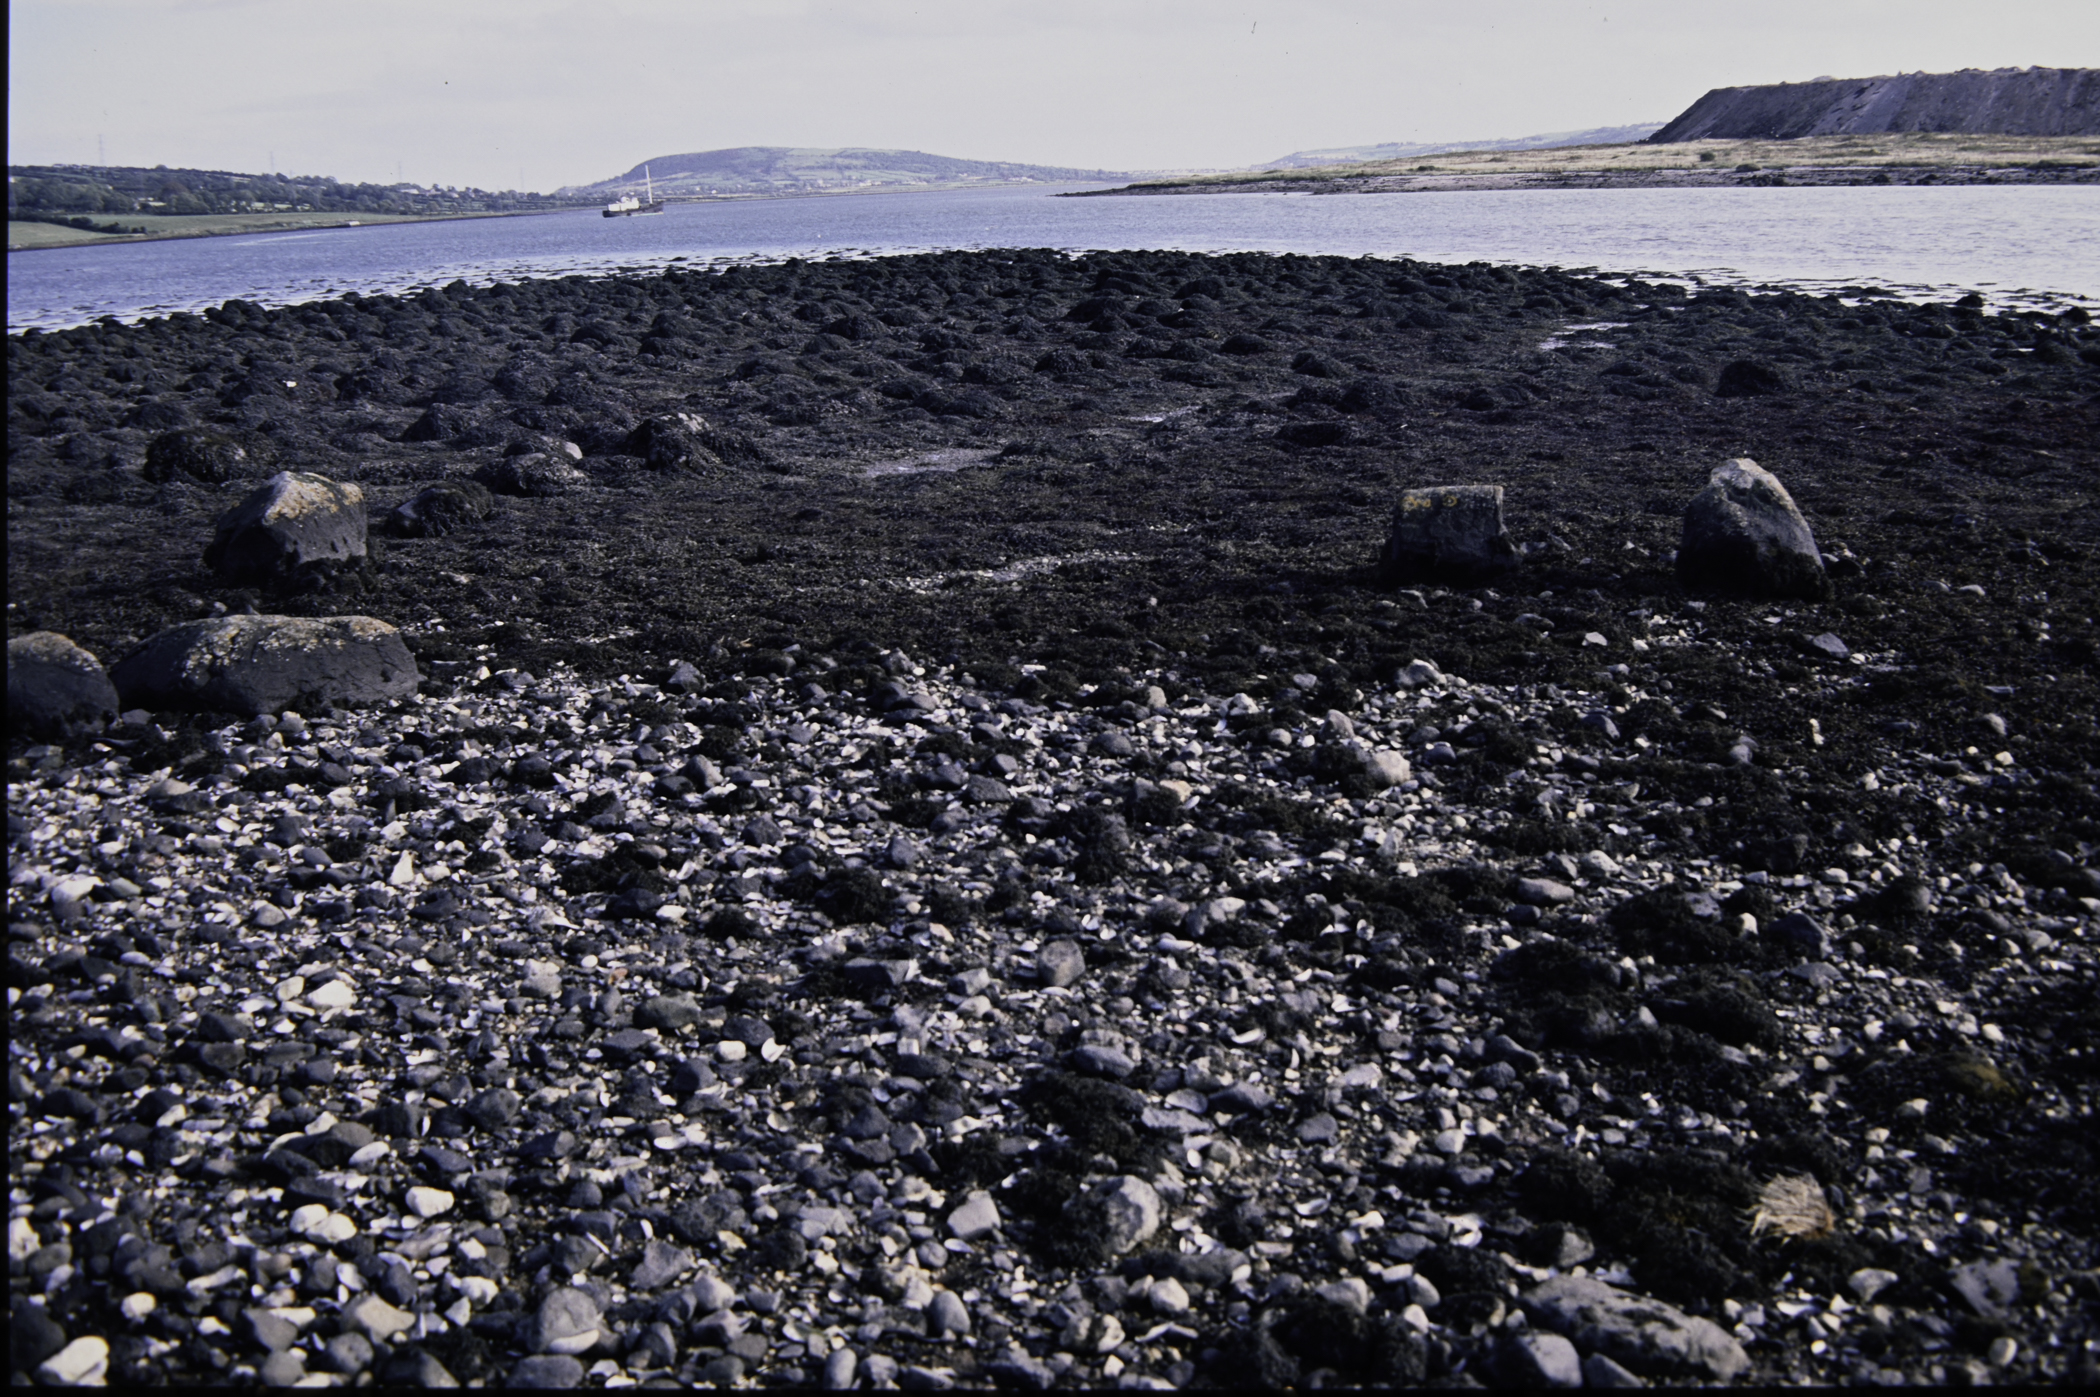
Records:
x=254, y=665
x=535, y=475
x=437, y=510
x=195, y=452
x=55, y=689
x=673, y=441
x=295, y=526
x=1449, y=532
x=1743, y=535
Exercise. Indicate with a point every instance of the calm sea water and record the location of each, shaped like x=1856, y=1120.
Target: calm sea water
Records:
x=2014, y=244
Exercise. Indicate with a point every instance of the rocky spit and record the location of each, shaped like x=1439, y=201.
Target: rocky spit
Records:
x=1167, y=943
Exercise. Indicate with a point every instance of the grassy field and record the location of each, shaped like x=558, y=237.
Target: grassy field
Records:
x=1905, y=150
x=25, y=236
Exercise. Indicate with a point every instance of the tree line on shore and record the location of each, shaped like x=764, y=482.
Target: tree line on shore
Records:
x=66, y=193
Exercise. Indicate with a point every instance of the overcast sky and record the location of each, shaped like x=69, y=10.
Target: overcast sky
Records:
x=533, y=94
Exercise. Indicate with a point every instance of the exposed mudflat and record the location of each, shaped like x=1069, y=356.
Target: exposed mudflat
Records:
x=630, y=1022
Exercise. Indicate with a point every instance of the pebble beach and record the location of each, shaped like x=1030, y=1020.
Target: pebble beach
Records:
x=926, y=849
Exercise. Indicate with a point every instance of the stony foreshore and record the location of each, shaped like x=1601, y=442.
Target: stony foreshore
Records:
x=927, y=852
x=1693, y=177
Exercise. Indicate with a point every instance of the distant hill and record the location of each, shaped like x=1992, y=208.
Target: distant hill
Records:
x=2000, y=101
x=1354, y=155
x=814, y=170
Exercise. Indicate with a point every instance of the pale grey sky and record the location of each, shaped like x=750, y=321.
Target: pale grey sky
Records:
x=537, y=93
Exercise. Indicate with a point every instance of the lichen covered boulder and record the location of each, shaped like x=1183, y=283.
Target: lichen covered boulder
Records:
x=1744, y=536
x=295, y=526
x=1449, y=533
x=253, y=665
x=55, y=689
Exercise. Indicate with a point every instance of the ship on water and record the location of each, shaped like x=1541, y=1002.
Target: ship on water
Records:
x=627, y=206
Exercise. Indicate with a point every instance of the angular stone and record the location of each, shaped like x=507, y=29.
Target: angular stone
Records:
x=1830, y=645
x=978, y=1217
x=1991, y=1288
x=667, y=1012
x=379, y=1320
x=273, y=1331
x=55, y=689
x=1385, y=768
x=1242, y=1096
x=1060, y=963
x=493, y=1108
x=985, y=790
x=294, y=525
x=1599, y=1371
x=254, y=665
x=1101, y=1060
x=1543, y=892
x=661, y=1264
x=878, y=976
x=1449, y=532
x=1533, y=1358
x=1868, y=1282
x=1646, y=1335
x=1743, y=535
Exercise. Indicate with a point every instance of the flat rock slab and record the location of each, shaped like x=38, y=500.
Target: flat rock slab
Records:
x=253, y=665
x=296, y=524
x=1449, y=532
x=1743, y=535
x=55, y=689
x=1646, y=1335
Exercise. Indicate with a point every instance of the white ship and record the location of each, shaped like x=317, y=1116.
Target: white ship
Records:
x=627, y=206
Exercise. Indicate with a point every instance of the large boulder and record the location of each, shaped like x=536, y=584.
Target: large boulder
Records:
x=253, y=665
x=535, y=475
x=196, y=452
x=55, y=689
x=1449, y=532
x=1743, y=535
x=293, y=527
x=1646, y=1335
x=437, y=510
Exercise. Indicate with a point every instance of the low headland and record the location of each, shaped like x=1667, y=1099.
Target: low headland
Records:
x=907, y=831
x=25, y=236
x=1908, y=158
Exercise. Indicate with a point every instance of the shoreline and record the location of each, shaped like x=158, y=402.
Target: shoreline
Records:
x=345, y=222
x=922, y=804
x=1794, y=177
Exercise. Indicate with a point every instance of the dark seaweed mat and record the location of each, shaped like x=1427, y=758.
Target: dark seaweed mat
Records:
x=1928, y=444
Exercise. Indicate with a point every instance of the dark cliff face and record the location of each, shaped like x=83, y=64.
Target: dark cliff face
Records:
x=2004, y=101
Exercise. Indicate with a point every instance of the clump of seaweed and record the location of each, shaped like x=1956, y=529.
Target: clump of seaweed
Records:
x=1793, y=1205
